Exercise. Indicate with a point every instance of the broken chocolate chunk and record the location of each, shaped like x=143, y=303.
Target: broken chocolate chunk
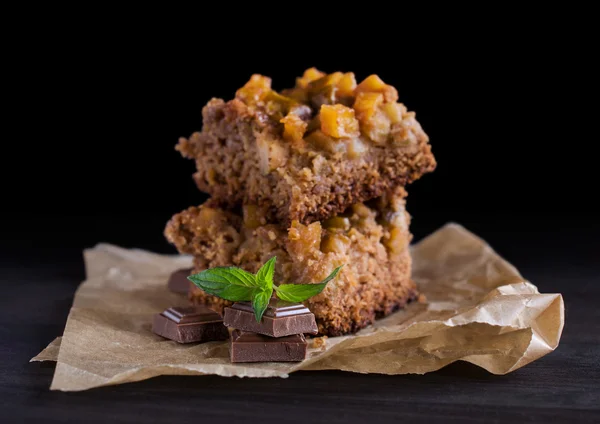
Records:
x=178, y=281
x=194, y=324
x=252, y=347
x=280, y=319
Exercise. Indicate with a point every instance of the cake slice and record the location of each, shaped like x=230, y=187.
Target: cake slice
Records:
x=307, y=153
x=370, y=239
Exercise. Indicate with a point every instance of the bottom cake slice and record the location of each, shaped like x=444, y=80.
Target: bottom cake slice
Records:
x=371, y=241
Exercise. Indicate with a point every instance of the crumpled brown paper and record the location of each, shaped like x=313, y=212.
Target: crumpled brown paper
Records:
x=479, y=309
x=50, y=353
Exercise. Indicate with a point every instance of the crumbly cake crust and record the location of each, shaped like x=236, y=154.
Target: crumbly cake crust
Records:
x=313, y=159
x=370, y=240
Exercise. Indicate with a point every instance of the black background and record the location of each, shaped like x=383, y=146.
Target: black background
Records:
x=101, y=101
x=105, y=106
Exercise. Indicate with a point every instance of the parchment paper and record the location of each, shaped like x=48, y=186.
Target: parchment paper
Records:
x=478, y=309
x=50, y=353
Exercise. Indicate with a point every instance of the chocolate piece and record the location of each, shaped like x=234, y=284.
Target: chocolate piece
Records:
x=178, y=281
x=252, y=347
x=280, y=319
x=190, y=324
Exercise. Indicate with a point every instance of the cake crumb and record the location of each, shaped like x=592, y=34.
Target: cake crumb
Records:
x=318, y=342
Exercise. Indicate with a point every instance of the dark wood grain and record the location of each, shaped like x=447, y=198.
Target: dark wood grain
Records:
x=564, y=386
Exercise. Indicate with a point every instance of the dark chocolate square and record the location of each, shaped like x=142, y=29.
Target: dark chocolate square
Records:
x=178, y=281
x=194, y=324
x=252, y=347
x=280, y=319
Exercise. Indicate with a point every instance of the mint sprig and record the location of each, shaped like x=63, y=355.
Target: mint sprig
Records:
x=235, y=284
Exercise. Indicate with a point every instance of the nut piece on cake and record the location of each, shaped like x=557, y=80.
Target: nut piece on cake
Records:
x=370, y=239
x=309, y=152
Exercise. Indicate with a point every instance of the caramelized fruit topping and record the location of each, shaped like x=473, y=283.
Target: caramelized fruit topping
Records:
x=334, y=113
x=338, y=121
x=304, y=240
x=335, y=243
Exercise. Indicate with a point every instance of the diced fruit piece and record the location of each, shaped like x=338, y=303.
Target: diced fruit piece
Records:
x=297, y=93
x=325, y=96
x=337, y=222
x=275, y=102
x=254, y=216
x=377, y=128
x=335, y=243
x=254, y=90
x=346, y=84
x=325, y=142
x=403, y=132
x=338, y=121
x=371, y=83
x=393, y=216
x=355, y=147
x=300, y=110
x=375, y=116
x=395, y=220
x=324, y=90
x=212, y=177
x=361, y=210
x=271, y=155
x=374, y=84
x=366, y=104
x=325, y=81
x=397, y=242
x=293, y=127
x=303, y=240
x=279, y=106
x=310, y=75
x=274, y=96
x=394, y=111
x=208, y=216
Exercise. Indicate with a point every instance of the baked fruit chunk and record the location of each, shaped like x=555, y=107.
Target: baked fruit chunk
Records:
x=370, y=239
x=309, y=152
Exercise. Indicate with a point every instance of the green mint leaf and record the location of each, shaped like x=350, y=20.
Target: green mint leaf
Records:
x=260, y=301
x=236, y=293
x=264, y=276
x=228, y=283
x=301, y=292
x=238, y=276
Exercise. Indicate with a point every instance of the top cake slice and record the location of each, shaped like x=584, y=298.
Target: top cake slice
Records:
x=309, y=152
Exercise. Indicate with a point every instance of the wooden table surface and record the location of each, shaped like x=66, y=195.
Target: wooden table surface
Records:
x=39, y=284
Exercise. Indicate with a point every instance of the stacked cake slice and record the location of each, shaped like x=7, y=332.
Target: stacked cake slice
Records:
x=315, y=176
